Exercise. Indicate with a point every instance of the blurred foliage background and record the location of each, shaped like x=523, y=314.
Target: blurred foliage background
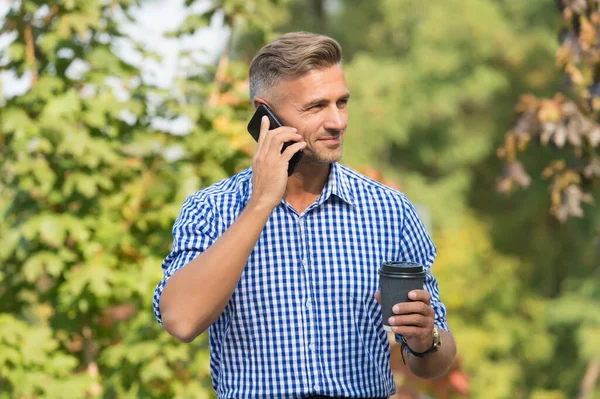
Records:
x=453, y=101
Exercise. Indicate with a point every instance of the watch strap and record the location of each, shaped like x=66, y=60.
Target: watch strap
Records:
x=435, y=346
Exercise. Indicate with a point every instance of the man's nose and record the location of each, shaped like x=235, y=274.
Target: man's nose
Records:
x=336, y=119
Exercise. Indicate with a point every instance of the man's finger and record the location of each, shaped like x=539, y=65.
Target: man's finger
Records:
x=293, y=149
x=420, y=295
x=262, y=135
x=413, y=307
x=417, y=320
x=378, y=297
x=278, y=136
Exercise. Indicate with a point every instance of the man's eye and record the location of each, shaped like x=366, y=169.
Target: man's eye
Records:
x=342, y=103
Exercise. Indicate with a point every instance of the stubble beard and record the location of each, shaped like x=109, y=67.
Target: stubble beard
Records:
x=324, y=157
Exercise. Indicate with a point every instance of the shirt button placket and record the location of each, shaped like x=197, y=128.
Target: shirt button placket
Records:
x=310, y=346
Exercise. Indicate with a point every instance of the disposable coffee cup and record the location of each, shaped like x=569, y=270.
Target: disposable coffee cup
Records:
x=396, y=280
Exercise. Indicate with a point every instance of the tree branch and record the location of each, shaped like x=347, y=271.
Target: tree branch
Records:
x=589, y=379
x=147, y=177
x=53, y=12
x=221, y=74
x=89, y=358
x=30, y=53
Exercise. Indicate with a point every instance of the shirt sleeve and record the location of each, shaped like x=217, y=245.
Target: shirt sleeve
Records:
x=194, y=230
x=417, y=246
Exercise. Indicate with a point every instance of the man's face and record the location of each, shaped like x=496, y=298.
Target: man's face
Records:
x=315, y=104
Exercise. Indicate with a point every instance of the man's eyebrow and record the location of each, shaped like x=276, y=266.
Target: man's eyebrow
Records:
x=318, y=101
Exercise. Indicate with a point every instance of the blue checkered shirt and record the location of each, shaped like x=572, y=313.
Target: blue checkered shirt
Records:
x=303, y=319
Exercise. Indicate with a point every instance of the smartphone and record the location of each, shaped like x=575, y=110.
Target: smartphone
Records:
x=254, y=130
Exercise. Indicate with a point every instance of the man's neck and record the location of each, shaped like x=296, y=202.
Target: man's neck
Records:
x=306, y=184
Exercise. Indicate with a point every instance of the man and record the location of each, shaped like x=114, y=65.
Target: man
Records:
x=282, y=270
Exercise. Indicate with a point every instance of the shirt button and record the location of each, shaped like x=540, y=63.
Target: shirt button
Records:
x=304, y=262
x=311, y=347
x=308, y=304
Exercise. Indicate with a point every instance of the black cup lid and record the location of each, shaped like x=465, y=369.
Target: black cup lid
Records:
x=403, y=268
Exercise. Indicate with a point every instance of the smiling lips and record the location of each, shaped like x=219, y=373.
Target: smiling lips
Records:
x=331, y=139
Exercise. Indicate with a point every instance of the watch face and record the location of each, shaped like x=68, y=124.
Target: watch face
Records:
x=437, y=337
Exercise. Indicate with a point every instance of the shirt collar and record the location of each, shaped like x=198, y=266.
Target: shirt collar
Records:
x=337, y=184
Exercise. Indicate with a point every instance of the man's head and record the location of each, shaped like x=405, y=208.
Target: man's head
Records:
x=299, y=76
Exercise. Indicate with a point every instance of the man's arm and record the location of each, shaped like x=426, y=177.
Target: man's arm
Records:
x=194, y=297
x=196, y=294
x=414, y=320
x=437, y=364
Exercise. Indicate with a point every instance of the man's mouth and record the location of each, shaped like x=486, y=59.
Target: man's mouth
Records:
x=331, y=139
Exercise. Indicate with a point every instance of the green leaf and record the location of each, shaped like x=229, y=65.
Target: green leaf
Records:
x=78, y=230
x=49, y=43
x=37, y=264
x=87, y=186
x=16, y=120
x=52, y=231
x=60, y=110
x=156, y=369
x=10, y=240
x=94, y=118
x=16, y=51
x=47, y=87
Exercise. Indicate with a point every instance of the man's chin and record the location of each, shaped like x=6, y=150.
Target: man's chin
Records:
x=321, y=159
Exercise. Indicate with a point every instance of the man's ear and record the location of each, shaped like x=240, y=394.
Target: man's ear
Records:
x=257, y=101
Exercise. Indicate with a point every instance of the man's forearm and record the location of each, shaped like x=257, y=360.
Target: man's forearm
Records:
x=437, y=364
x=196, y=294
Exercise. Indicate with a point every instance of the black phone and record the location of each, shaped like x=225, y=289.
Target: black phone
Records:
x=254, y=130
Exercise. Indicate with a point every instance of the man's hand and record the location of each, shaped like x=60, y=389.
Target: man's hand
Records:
x=414, y=320
x=269, y=165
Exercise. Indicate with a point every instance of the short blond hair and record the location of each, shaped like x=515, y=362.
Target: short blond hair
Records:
x=292, y=54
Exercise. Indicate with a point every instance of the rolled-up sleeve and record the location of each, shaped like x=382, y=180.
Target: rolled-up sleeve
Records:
x=194, y=230
x=417, y=246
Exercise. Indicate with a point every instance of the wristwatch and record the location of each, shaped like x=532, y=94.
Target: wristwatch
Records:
x=437, y=343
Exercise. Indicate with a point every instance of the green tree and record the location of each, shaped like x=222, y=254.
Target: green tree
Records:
x=91, y=185
x=90, y=189
x=563, y=123
x=433, y=89
x=561, y=135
